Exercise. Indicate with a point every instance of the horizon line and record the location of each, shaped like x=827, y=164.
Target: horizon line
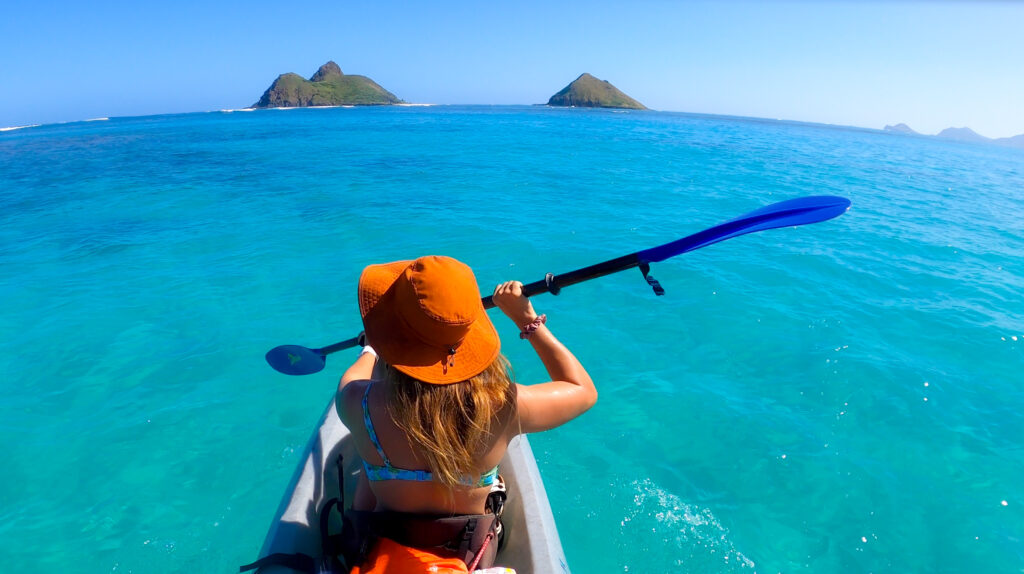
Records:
x=912, y=132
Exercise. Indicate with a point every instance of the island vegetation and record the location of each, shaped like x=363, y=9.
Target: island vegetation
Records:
x=587, y=91
x=327, y=87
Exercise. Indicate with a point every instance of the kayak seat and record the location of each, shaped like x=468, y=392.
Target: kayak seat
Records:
x=467, y=539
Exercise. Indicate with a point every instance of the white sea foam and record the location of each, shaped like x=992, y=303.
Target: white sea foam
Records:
x=346, y=106
x=12, y=128
x=695, y=531
x=315, y=107
x=55, y=124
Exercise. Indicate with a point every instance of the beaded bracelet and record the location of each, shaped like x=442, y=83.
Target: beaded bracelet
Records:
x=529, y=328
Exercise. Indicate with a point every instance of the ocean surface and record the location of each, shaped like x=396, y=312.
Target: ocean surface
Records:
x=840, y=397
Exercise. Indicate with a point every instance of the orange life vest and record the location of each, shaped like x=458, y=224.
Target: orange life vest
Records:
x=388, y=556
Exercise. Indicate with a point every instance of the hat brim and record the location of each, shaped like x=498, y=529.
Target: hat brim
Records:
x=391, y=340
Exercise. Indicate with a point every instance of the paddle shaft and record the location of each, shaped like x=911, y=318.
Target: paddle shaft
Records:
x=295, y=359
x=340, y=346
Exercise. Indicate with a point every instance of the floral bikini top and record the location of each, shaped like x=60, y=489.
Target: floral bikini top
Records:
x=388, y=471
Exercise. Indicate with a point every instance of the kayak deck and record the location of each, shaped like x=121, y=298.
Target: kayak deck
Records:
x=531, y=545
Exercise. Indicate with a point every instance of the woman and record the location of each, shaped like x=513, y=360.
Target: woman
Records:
x=430, y=401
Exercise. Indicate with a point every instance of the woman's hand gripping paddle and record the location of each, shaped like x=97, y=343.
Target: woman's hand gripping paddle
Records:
x=297, y=360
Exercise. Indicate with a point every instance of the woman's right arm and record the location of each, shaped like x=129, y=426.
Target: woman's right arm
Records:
x=570, y=392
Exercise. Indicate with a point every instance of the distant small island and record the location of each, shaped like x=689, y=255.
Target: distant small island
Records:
x=587, y=91
x=327, y=87
x=901, y=128
x=960, y=134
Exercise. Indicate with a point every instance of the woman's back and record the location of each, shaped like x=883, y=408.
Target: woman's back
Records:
x=412, y=496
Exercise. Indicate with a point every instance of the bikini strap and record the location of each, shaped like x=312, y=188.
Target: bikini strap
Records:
x=369, y=428
x=487, y=478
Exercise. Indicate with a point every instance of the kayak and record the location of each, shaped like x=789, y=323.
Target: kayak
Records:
x=531, y=543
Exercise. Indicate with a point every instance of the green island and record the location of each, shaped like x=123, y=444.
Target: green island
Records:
x=327, y=87
x=587, y=91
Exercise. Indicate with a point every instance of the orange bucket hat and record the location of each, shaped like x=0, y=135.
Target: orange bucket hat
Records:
x=425, y=318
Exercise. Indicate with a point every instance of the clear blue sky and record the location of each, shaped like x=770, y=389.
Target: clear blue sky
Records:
x=931, y=65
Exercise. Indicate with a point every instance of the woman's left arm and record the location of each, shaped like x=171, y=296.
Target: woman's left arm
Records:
x=361, y=369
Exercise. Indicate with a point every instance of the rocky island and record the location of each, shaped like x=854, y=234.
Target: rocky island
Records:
x=327, y=87
x=587, y=91
x=960, y=134
x=900, y=128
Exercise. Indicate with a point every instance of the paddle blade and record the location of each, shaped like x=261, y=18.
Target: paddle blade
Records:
x=789, y=213
x=295, y=360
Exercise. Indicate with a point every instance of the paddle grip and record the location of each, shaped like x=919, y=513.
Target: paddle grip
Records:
x=530, y=289
x=552, y=283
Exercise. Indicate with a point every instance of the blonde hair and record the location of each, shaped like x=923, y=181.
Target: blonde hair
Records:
x=451, y=423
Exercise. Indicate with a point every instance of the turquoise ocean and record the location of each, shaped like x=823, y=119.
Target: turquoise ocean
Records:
x=840, y=397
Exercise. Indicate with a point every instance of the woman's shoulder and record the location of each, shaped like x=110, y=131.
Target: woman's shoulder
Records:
x=356, y=387
x=348, y=400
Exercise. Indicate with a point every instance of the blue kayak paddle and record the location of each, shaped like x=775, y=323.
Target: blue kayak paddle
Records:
x=298, y=360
